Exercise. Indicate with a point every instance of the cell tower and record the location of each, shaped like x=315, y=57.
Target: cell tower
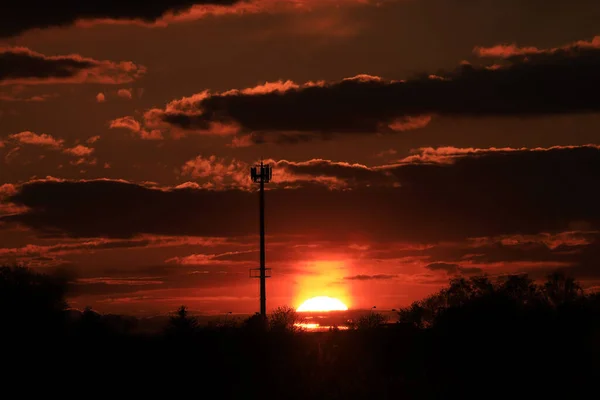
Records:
x=262, y=174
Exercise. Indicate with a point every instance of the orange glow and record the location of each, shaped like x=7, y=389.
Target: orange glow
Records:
x=316, y=327
x=306, y=325
x=322, y=303
x=323, y=279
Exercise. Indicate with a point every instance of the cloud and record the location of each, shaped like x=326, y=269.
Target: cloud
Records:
x=449, y=155
x=410, y=123
x=512, y=51
x=387, y=153
x=19, y=18
x=133, y=281
x=454, y=269
x=27, y=137
x=369, y=277
x=31, y=99
x=478, y=195
x=125, y=93
x=82, y=153
x=333, y=174
x=134, y=126
x=20, y=65
x=529, y=83
x=218, y=173
x=79, y=151
x=6, y=206
x=70, y=248
x=448, y=268
x=227, y=258
x=11, y=154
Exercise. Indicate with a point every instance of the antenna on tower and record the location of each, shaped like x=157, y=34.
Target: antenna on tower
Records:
x=262, y=174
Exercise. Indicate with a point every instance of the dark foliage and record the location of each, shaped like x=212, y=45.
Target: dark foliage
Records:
x=31, y=301
x=474, y=339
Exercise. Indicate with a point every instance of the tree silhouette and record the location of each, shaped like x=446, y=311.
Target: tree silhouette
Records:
x=284, y=319
x=478, y=300
x=372, y=320
x=181, y=324
x=560, y=289
x=254, y=324
x=31, y=302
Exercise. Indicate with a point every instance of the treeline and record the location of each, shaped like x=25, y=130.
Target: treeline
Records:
x=476, y=337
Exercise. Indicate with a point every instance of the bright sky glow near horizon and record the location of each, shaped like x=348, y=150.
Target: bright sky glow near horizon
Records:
x=412, y=141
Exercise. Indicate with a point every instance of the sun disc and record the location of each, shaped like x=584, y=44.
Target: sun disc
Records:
x=322, y=303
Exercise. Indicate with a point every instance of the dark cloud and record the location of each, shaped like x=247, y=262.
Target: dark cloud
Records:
x=369, y=277
x=476, y=194
x=448, y=268
x=20, y=16
x=453, y=269
x=171, y=280
x=553, y=81
x=19, y=65
x=470, y=270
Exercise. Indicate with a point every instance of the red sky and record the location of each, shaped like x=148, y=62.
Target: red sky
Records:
x=412, y=141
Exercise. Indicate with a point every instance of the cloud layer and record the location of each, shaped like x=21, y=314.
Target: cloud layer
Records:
x=524, y=82
x=479, y=193
x=83, y=154
x=20, y=65
x=18, y=16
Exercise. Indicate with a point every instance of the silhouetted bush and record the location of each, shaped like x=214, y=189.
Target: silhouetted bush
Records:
x=369, y=321
x=284, y=319
x=31, y=303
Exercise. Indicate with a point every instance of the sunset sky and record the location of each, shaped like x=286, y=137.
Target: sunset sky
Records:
x=411, y=141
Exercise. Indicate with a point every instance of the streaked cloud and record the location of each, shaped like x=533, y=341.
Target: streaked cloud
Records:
x=22, y=66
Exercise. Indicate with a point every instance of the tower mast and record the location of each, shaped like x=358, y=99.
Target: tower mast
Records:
x=262, y=174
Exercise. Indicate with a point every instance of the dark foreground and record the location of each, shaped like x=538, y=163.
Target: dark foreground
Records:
x=472, y=340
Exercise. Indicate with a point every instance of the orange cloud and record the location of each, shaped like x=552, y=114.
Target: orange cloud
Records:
x=241, y=141
x=79, y=151
x=209, y=259
x=134, y=126
x=125, y=93
x=410, y=123
x=217, y=172
x=6, y=207
x=512, y=50
x=448, y=155
x=30, y=138
x=27, y=137
x=132, y=281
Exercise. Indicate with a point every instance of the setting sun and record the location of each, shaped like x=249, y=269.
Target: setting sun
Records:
x=322, y=303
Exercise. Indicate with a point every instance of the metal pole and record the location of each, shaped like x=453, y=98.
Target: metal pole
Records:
x=263, y=271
